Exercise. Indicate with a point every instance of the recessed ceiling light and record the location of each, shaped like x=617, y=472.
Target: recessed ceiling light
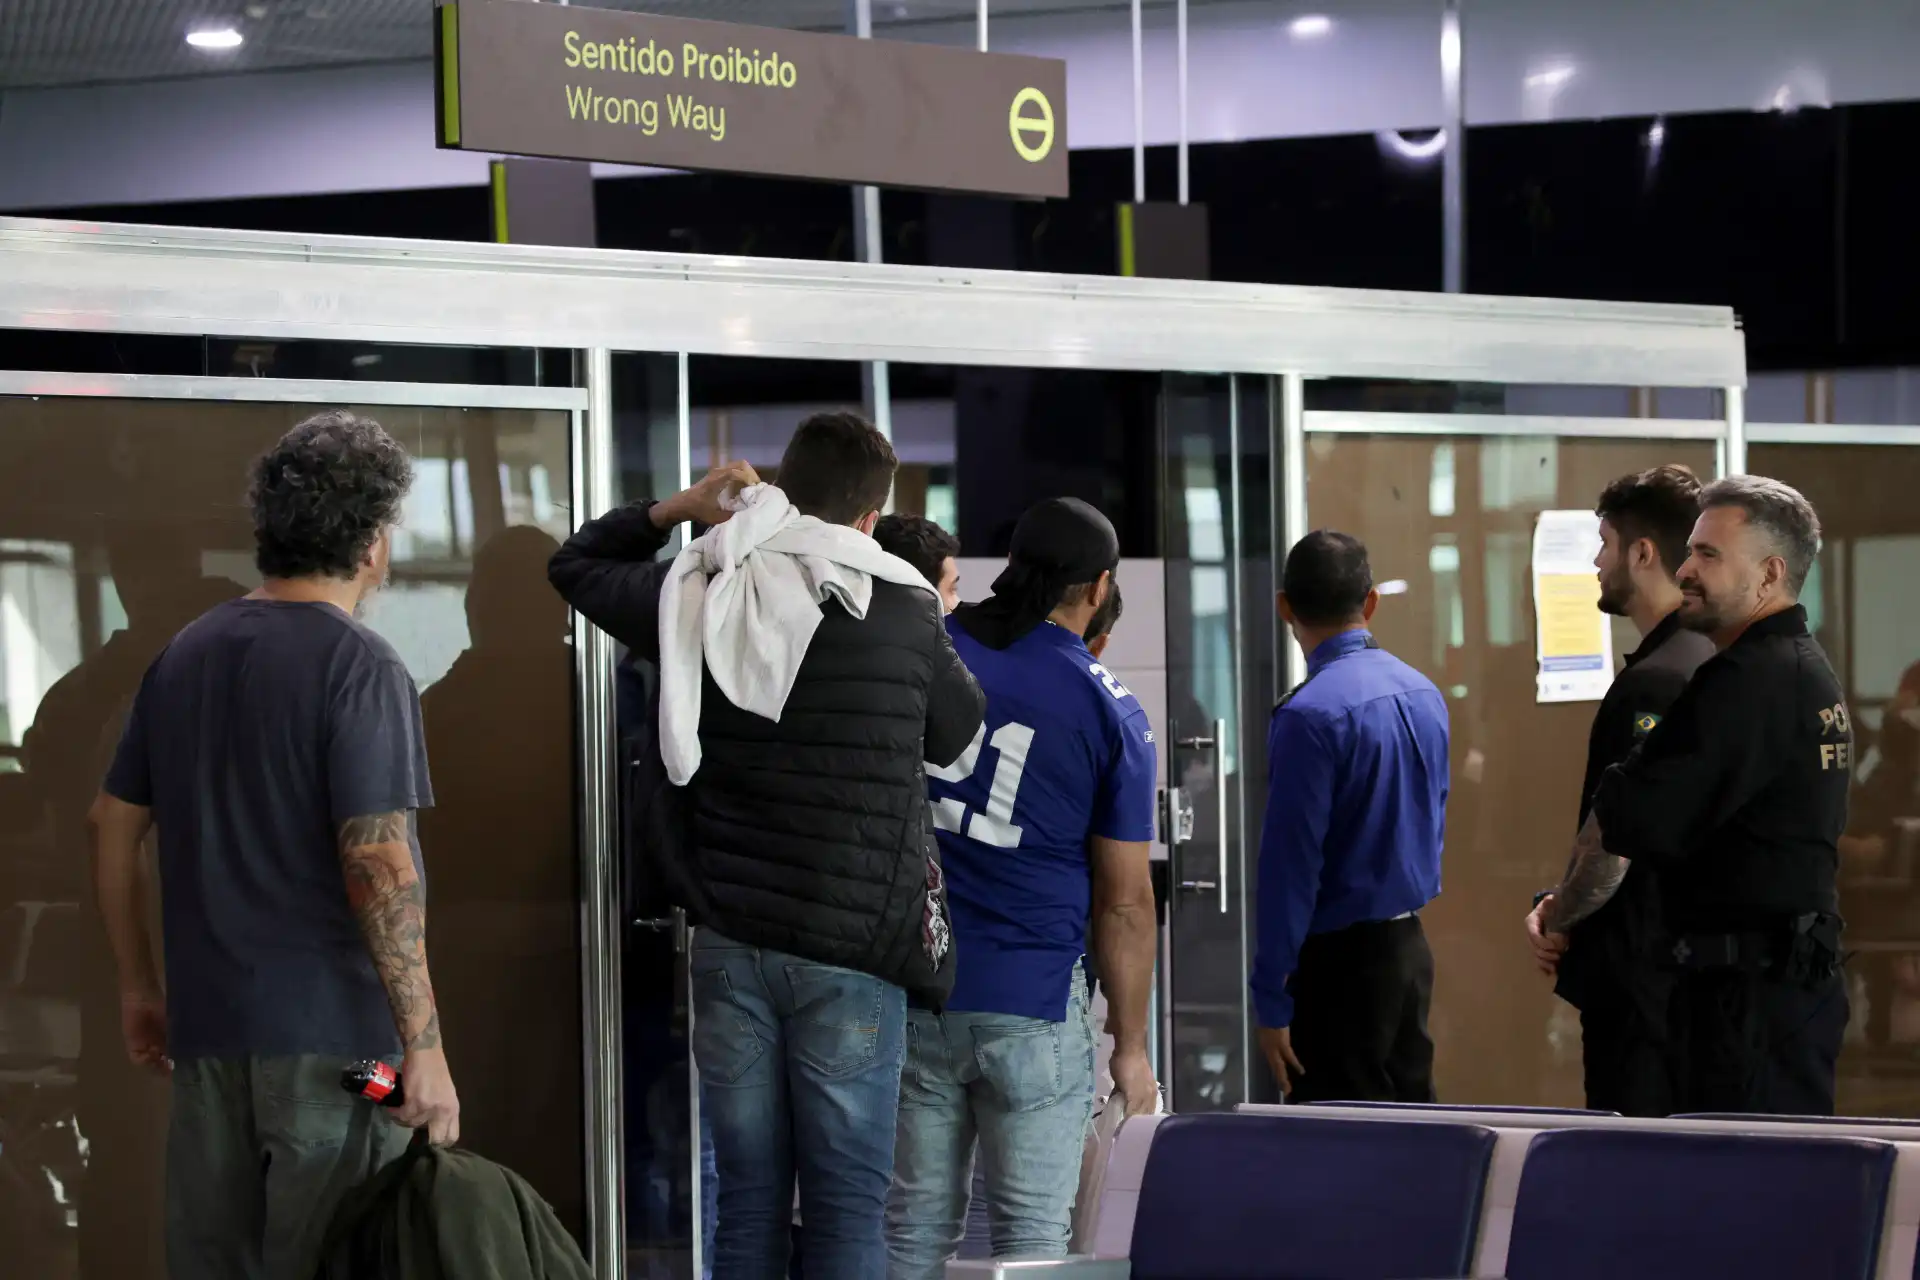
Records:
x=216, y=38
x=1310, y=26
x=1425, y=149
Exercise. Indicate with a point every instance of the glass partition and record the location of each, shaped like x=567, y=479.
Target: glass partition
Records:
x=1864, y=602
x=121, y=521
x=1216, y=518
x=1449, y=523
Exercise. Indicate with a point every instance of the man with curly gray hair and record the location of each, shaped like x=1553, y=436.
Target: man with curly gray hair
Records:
x=276, y=747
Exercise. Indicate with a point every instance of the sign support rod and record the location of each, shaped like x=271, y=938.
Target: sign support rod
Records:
x=982, y=26
x=1453, y=177
x=875, y=395
x=1180, y=26
x=1139, y=113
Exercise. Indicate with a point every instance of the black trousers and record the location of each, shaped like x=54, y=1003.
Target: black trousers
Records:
x=1625, y=1056
x=1747, y=1042
x=1360, y=1001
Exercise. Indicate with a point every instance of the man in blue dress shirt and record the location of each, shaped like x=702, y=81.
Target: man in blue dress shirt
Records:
x=1350, y=849
x=1044, y=822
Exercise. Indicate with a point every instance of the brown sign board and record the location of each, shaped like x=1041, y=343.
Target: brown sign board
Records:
x=574, y=83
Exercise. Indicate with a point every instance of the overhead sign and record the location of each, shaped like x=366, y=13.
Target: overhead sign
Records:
x=575, y=83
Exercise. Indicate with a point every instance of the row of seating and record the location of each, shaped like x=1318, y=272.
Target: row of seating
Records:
x=1426, y=1193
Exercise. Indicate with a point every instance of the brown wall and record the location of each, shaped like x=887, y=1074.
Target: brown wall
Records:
x=120, y=521
x=1866, y=608
x=1499, y=1035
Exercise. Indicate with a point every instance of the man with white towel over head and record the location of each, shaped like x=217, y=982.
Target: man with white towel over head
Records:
x=805, y=677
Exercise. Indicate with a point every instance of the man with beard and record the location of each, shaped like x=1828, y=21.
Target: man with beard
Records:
x=1611, y=972
x=1738, y=798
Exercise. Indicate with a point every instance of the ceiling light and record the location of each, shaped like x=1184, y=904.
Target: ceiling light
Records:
x=216, y=38
x=1310, y=26
x=1426, y=149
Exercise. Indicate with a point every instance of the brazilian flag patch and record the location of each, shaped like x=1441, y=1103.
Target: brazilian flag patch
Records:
x=1643, y=723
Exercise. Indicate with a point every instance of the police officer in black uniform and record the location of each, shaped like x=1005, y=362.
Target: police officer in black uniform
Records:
x=1737, y=800
x=1611, y=970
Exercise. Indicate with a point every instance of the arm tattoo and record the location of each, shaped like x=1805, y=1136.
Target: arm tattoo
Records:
x=1592, y=876
x=388, y=900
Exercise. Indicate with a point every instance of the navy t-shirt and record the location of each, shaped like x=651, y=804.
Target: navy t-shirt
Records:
x=1065, y=754
x=258, y=731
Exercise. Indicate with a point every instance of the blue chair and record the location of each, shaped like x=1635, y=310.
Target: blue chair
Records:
x=1252, y=1197
x=1465, y=1106
x=1641, y=1204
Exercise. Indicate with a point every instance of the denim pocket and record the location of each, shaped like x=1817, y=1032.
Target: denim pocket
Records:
x=1020, y=1062
x=836, y=1017
x=927, y=1067
x=725, y=1045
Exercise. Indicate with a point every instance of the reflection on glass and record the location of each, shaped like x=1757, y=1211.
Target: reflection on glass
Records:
x=1466, y=621
x=1210, y=445
x=1864, y=601
x=120, y=522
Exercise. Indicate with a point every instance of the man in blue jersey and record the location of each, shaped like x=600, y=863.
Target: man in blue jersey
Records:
x=1350, y=849
x=1045, y=818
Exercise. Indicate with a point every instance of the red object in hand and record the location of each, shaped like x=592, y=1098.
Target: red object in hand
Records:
x=376, y=1082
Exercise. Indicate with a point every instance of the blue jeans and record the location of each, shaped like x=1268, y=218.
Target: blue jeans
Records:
x=801, y=1067
x=1021, y=1089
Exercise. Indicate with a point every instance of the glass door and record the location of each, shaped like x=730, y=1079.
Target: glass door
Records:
x=1215, y=491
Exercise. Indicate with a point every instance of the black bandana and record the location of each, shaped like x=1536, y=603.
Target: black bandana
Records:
x=1059, y=543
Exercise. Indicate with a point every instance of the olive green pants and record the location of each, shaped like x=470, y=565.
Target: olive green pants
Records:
x=259, y=1153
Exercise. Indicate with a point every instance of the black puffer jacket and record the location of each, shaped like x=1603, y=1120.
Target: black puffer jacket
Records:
x=807, y=835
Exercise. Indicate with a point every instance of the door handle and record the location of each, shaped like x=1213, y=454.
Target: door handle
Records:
x=1176, y=810
x=1220, y=801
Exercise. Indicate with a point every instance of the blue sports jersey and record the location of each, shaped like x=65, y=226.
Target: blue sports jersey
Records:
x=1065, y=754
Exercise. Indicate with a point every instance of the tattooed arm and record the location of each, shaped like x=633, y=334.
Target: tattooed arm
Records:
x=1592, y=876
x=384, y=890
x=390, y=903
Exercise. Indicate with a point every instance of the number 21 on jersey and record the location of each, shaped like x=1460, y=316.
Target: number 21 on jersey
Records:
x=994, y=824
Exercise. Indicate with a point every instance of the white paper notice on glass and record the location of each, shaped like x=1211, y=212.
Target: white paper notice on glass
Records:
x=1575, y=639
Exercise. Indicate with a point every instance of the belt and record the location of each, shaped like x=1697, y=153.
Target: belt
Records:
x=1800, y=946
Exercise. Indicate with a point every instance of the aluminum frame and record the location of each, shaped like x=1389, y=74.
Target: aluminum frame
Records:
x=1859, y=433
x=601, y=925
x=94, y=277
x=426, y=395
x=1356, y=422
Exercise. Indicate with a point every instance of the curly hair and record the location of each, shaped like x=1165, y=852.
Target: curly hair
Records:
x=323, y=494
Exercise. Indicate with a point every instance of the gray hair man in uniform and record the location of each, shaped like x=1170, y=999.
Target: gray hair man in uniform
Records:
x=1611, y=972
x=1737, y=800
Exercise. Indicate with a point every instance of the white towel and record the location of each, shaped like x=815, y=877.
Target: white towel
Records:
x=743, y=600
